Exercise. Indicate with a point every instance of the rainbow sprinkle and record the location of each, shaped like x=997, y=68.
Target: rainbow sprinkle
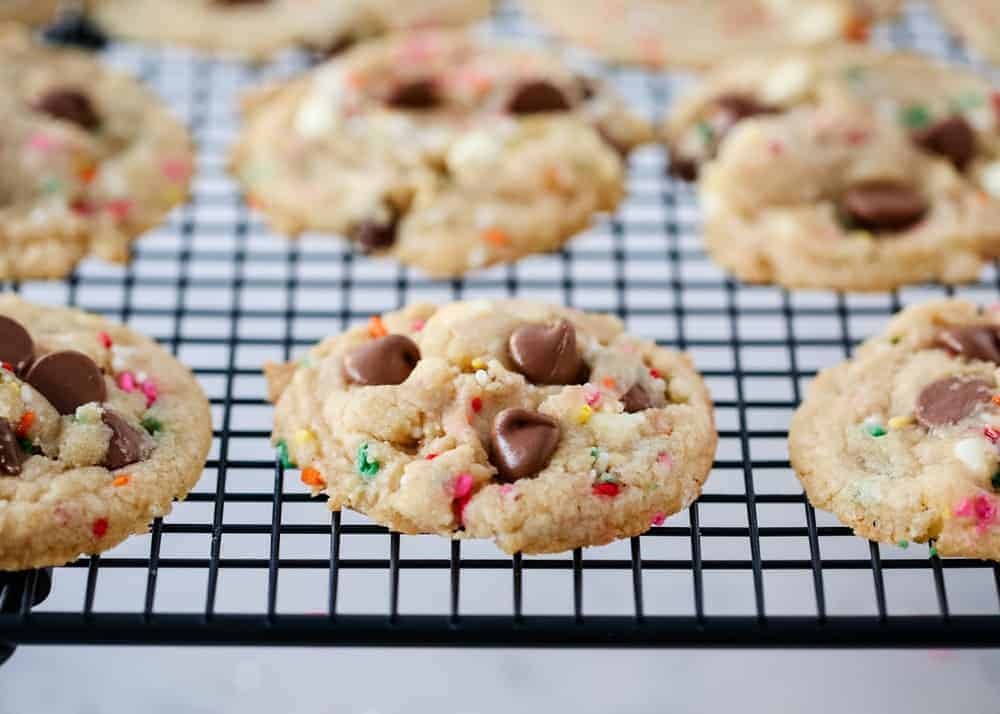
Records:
x=367, y=468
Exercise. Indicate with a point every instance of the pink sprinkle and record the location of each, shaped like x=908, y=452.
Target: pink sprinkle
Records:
x=126, y=382
x=775, y=147
x=593, y=396
x=663, y=458
x=982, y=507
x=418, y=325
x=118, y=208
x=149, y=389
x=176, y=170
x=506, y=489
x=463, y=486
x=105, y=339
x=658, y=518
x=992, y=434
x=856, y=137
x=42, y=143
x=628, y=348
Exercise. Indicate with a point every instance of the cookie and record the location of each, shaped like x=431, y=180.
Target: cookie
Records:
x=258, y=29
x=900, y=442
x=850, y=168
x=977, y=22
x=545, y=428
x=437, y=149
x=100, y=429
x=32, y=12
x=701, y=33
x=91, y=160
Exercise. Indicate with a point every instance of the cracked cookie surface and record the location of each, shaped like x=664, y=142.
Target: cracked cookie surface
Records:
x=541, y=427
x=91, y=159
x=438, y=150
x=701, y=33
x=850, y=168
x=258, y=29
x=900, y=442
x=100, y=429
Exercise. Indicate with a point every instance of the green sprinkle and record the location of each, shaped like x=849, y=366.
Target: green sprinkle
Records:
x=995, y=481
x=608, y=478
x=26, y=445
x=50, y=184
x=706, y=131
x=594, y=452
x=876, y=430
x=904, y=544
x=286, y=462
x=854, y=74
x=152, y=424
x=366, y=468
x=915, y=116
x=933, y=552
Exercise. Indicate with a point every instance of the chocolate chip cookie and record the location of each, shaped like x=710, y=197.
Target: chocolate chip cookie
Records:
x=701, y=33
x=901, y=441
x=100, y=429
x=542, y=427
x=258, y=29
x=849, y=168
x=90, y=159
x=439, y=150
x=977, y=22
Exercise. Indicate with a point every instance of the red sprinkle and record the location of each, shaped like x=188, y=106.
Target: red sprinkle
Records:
x=477, y=404
x=992, y=434
x=27, y=419
x=100, y=527
x=431, y=457
x=654, y=373
x=105, y=339
x=606, y=488
x=7, y=366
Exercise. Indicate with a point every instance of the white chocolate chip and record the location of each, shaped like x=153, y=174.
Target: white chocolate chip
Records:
x=817, y=23
x=473, y=151
x=787, y=82
x=972, y=453
x=990, y=179
x=482, y=377
x=317, y=116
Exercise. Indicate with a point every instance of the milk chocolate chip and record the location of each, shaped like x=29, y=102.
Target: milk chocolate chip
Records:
x=10, y=451
x=734, y=107
x=128, y=444
x=951, y=138
x=980, y=342
x=547, y=354
x=949, y=400
x=386, y=360
x=636, y=399
x=523, y=442
x=537, y=97
x=373, y=236
x=16, y=346
x=68, y=379
x=415, y=94
x=70, y=105
x=883, y=206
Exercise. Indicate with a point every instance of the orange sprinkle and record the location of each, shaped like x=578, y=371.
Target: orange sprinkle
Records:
x=609, y=382
x=376, y=328
x=27, y=419
x=312, y=477
x=88, y=173
x=496, y=237
x=996, y=399
x=857, y=30
x=253, y=201
x=123, y=480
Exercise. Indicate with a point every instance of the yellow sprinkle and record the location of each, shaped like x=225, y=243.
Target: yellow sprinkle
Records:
x=585, y=413
x=478, y=363
x=900, y=422
x=862, y=235
x=304, y=436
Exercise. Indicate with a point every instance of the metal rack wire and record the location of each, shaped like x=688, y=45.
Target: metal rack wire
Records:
x=250, y=558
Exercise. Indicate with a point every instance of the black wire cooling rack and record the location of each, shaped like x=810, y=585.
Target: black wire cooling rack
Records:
x=250, y=558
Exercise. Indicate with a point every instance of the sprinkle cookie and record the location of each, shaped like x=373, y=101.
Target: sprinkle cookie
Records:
x=258, y=29
x=901, y=442
x=701, y=33
x=91, y=160
x=542, y=427
x=850, y=168
x=100, y=429
x=975, y=21
x=438, y=150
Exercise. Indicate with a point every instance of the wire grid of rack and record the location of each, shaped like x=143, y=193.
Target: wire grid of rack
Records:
x=250, y=558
